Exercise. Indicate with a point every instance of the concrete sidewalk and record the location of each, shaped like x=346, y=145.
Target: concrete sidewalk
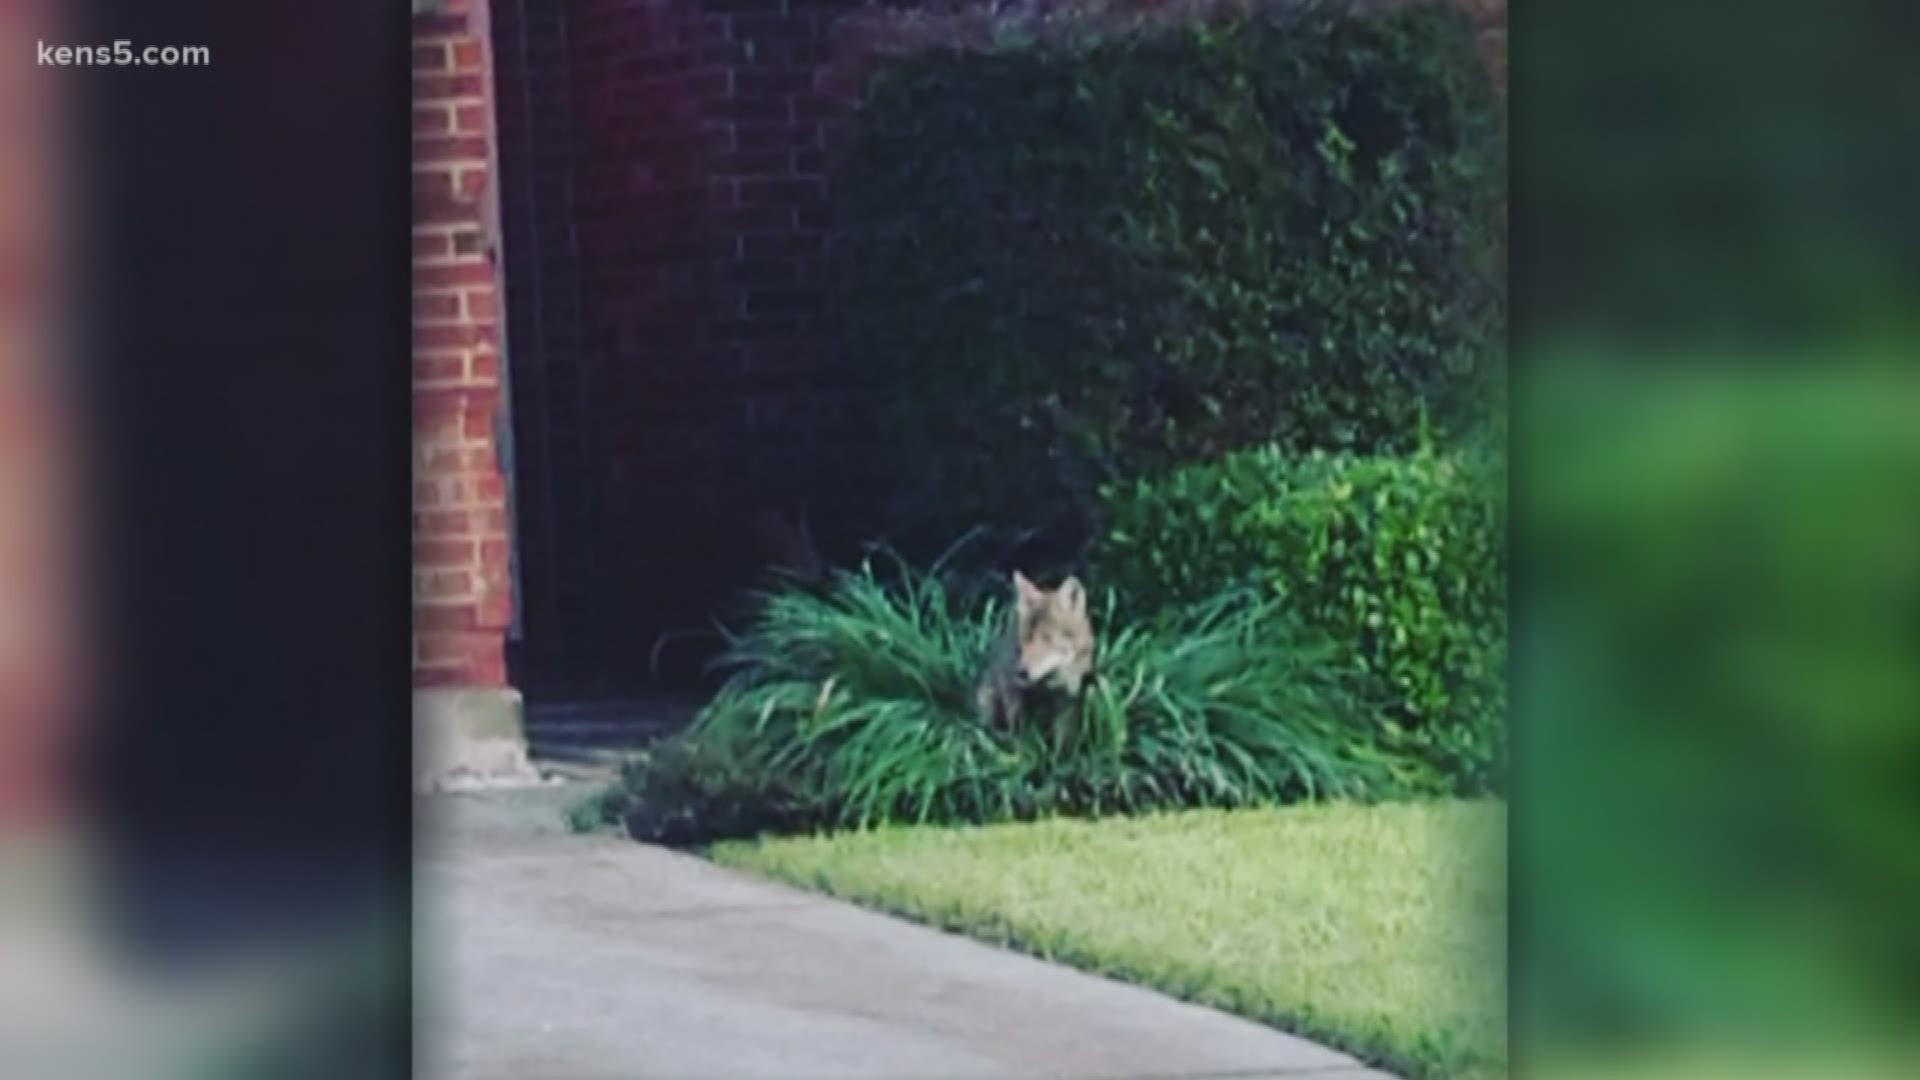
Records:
x=544, y=956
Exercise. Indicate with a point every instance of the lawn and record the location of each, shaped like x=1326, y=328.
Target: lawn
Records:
x=1379, y=930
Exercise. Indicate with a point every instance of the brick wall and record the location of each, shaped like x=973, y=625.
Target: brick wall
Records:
x=664, y=201
x=701, y=215
x=462, y=586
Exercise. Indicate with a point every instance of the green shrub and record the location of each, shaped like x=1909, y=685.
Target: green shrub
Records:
x=856, y=706
x=1068, y=253
x=1399, y=560
x=680, y=791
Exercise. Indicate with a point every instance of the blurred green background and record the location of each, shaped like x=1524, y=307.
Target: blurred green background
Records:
x=1717, y=478
x=1716, y=674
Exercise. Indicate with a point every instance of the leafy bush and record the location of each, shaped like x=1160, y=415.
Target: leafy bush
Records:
x=1399, y=560
x=681, y=792
x=856, y=706
x=1069, y=252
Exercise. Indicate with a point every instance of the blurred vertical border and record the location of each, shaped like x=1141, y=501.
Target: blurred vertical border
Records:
x=1717, y=464
x=38, y=594
x=204, y=472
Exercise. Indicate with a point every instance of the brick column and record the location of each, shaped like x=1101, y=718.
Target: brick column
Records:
x=462, y=586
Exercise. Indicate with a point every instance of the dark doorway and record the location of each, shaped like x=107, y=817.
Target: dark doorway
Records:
x=663, y=237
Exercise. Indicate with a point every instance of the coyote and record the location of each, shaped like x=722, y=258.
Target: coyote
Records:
x=1048, y=640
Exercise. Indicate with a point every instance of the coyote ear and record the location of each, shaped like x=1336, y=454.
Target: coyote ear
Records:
x=1072, y=595
x=1030, y=595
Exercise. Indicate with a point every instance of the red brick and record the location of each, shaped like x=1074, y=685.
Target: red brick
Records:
x=465, y=335
x=432, y=245
x=450, y=19
x=439, y=553
x=473, y=658
x=428, y=87
x=444, y=523
x=433, y=677
x=460, y=520
x=764, y=272
x=778, y=28
x=431, y=405
x=815, y=108
x=809, y=162
x=436, y=202
x=496, y=609
x=430, y=184
x=443, y=583
x=778, y=82
x=750, y=219
x=813, y=53
x=439, y=368
x=435, y=277
x=779, y=135
x=460, y=148
x=495, y=553
x=477, y=424
x=784, y=245
x=445, y=211
x=707, y=85
x=436, y=305
x=458, y=461
x=760, y=163
x=780, y=192
x=464, y=490
x=778, y=301
x=432, y=121
x=457, y=646
x=482, y=304
x=745, y=110
x=493, y=673
x=445, y=617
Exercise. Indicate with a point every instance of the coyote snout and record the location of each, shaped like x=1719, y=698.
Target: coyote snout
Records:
x=1049, y=641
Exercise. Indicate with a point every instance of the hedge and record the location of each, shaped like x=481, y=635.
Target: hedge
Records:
x=1072, y=251
x=1399, y=560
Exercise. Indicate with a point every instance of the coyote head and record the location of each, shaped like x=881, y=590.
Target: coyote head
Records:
x=1056, y=640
